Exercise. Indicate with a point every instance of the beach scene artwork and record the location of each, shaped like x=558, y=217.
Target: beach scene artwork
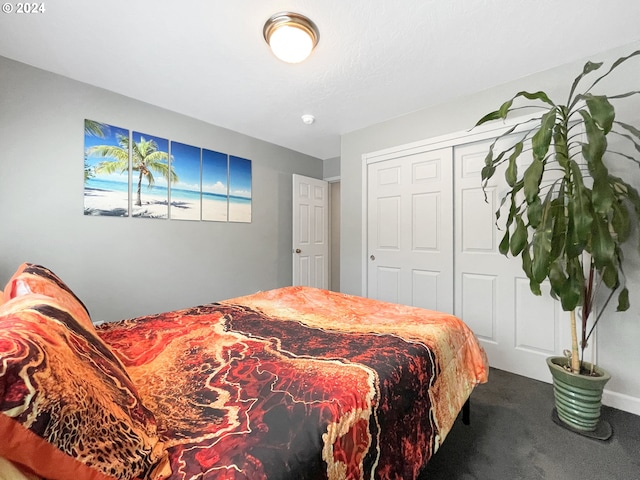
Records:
x=186, y=190
x=128, y=173
x=239, y=189
x=215, y=186
x=106, y=169
x=151, y=175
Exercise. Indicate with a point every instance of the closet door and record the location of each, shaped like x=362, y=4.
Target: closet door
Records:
x=517, y=329
x=410, y=229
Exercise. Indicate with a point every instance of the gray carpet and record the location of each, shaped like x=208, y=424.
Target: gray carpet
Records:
x=512, y=436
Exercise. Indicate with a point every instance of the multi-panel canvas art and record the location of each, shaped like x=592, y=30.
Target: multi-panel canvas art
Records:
x=135, y=174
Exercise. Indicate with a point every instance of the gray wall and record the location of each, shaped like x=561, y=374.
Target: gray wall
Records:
x=124, y=267
x=619, y=333
x=331, y=168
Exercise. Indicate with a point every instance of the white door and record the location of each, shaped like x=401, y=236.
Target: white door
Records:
x=310, y=232
x=410, y=230
x=517, y=329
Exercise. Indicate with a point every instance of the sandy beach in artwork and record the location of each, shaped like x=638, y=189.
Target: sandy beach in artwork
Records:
x=114, y=203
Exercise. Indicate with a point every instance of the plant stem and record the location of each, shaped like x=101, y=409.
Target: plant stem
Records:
x=575, y=359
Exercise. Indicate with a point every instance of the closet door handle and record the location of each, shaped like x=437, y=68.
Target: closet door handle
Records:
x=372, y=257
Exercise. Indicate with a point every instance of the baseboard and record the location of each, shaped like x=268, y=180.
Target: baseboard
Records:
x=621, y=401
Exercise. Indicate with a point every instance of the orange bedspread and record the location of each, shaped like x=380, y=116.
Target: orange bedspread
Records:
x=300, y=383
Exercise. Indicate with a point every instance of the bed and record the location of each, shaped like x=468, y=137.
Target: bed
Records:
x=292, y=383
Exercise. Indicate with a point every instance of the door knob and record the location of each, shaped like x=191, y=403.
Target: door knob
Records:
x=298, y=250
x=372, y=257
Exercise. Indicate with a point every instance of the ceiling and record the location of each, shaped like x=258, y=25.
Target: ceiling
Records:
x=376, y=59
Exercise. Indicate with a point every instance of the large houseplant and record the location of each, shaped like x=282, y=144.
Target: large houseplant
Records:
x=566, y=214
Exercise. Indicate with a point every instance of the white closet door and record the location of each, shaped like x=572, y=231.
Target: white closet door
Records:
x=410, y=230
x=517, y=329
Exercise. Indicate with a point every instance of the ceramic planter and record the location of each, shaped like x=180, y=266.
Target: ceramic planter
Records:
x=578, y=398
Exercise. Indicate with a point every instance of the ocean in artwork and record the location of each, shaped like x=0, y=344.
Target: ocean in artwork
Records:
x=106, y=198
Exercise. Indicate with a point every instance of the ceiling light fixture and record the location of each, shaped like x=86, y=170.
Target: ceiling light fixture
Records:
x=291, y=36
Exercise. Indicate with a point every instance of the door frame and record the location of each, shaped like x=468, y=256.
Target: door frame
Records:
x=484, y=132
x=332, y=181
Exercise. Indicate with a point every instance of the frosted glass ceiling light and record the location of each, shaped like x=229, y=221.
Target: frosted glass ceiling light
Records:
x=291, y=36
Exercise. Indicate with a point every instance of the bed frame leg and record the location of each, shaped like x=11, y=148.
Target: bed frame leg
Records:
x=466, y=412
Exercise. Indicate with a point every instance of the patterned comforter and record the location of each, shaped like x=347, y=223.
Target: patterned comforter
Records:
x=299, y=383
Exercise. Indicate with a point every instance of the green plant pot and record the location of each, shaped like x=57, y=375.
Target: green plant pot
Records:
x=578, y=398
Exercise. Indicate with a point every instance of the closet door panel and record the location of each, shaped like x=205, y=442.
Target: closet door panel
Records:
x=410, y=229
x=517, y=329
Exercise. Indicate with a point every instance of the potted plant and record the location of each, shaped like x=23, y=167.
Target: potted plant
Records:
x=567, y=217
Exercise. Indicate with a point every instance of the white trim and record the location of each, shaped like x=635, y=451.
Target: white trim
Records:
x=332, y=179
x=484, y=132
x=363, y=233
x=621, y=401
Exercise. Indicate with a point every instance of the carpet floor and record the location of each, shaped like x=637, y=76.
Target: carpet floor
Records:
x=512, y=436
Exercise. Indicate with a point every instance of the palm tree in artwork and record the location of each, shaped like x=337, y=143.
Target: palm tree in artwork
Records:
x=96, y=129
x=145, y=156
x=146, y=159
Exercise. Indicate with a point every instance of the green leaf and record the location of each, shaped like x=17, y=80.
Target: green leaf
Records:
x=602, y=197
x=542, y=138
x=487, y=172
x=623, y=300
x=587, y=69
x=519, y=237
x=634, y=138
x=596, y=144
x=539, y=95
x=541, y=244
x=532, y=177
x=630, y=128
x=620, y=221
x=488, y=118
x=560, y=145
x=535, y=287
x=572, y=290
x=526, y=268
x=573, y=246
x=526, y=262
x=602, y=245
x=610, y=276
x=559, y=237
x=601, y=111
x=557, y=278
x=503, y=248
x=580, y=206
x=511, y=174
x=614, y=66
x=534, y=212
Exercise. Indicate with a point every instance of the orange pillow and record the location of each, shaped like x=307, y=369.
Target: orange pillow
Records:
x=31, y=278
x=68, y=408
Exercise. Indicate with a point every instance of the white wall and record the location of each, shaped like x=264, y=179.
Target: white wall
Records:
x=124, y=267
x=619, y=334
